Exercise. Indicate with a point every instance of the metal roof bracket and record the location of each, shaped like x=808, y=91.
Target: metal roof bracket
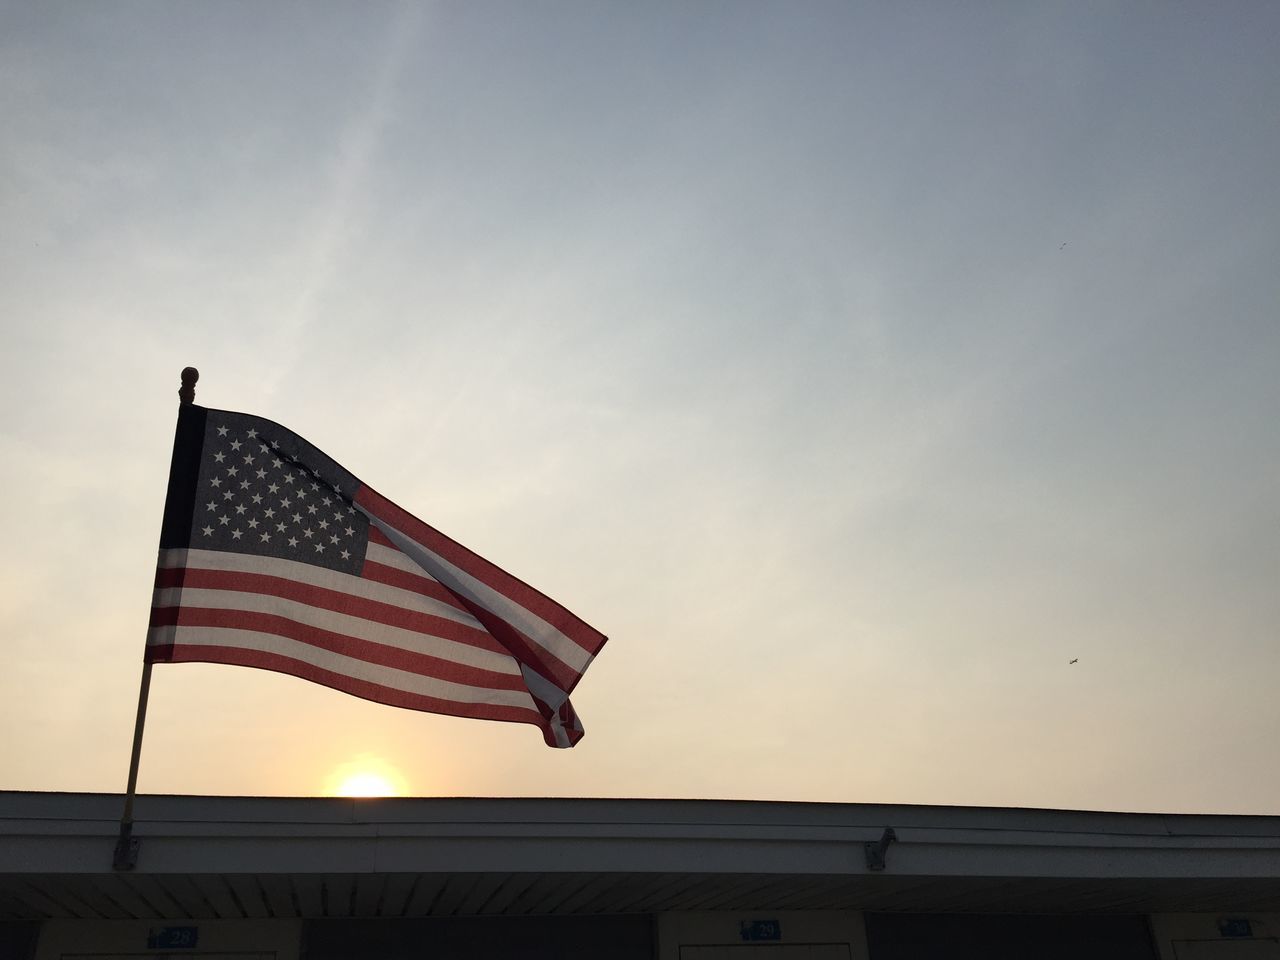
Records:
x=876, y=851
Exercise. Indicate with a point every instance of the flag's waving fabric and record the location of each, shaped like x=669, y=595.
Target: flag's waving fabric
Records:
x=274, y=556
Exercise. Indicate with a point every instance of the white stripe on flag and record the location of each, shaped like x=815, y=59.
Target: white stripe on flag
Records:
x=391, y=557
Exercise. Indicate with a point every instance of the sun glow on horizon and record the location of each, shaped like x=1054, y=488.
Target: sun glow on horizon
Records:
x=365, y=777
x=367, y=785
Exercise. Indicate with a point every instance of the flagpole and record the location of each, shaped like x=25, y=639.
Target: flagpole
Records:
x=126, y=854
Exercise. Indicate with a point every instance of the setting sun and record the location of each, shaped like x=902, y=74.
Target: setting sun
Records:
x=365, y=777
x=367, y=785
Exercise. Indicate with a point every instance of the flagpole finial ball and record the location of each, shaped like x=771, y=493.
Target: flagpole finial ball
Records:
x=187, y=394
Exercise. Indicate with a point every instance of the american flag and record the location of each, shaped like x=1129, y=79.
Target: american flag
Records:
x=274, y=556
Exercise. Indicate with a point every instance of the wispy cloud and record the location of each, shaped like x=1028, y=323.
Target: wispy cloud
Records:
x=325, y=238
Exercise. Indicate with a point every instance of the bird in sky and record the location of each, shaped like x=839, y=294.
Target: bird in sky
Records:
x=1076, y=660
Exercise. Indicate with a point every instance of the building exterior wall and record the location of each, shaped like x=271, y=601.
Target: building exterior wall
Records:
x=130, y=939
x=481, y=938
x=1008, y=937
x=723, y=935
x=762, y=935
x=1216, y=936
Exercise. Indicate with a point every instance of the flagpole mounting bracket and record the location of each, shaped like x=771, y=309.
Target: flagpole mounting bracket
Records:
x=876, y=851
x=126, y=855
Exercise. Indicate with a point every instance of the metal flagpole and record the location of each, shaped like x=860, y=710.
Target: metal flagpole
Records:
x=126, y=855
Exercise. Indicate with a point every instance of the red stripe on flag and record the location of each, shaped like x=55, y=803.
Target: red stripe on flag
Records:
x=357, y=648
x=337, y=601
x=235, y=656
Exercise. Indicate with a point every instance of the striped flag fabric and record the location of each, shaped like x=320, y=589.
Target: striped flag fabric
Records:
x=274, y=556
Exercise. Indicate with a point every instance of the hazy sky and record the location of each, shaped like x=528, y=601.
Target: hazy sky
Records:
x=853, y=367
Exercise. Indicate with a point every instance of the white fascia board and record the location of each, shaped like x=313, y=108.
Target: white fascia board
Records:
x=74, y=834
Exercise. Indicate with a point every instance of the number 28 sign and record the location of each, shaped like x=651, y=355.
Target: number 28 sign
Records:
x=172, y=938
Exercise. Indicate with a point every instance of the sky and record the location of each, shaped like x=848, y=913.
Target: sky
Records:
x=854, y=367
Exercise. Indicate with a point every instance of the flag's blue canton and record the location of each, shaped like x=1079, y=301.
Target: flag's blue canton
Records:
x=262, y=490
